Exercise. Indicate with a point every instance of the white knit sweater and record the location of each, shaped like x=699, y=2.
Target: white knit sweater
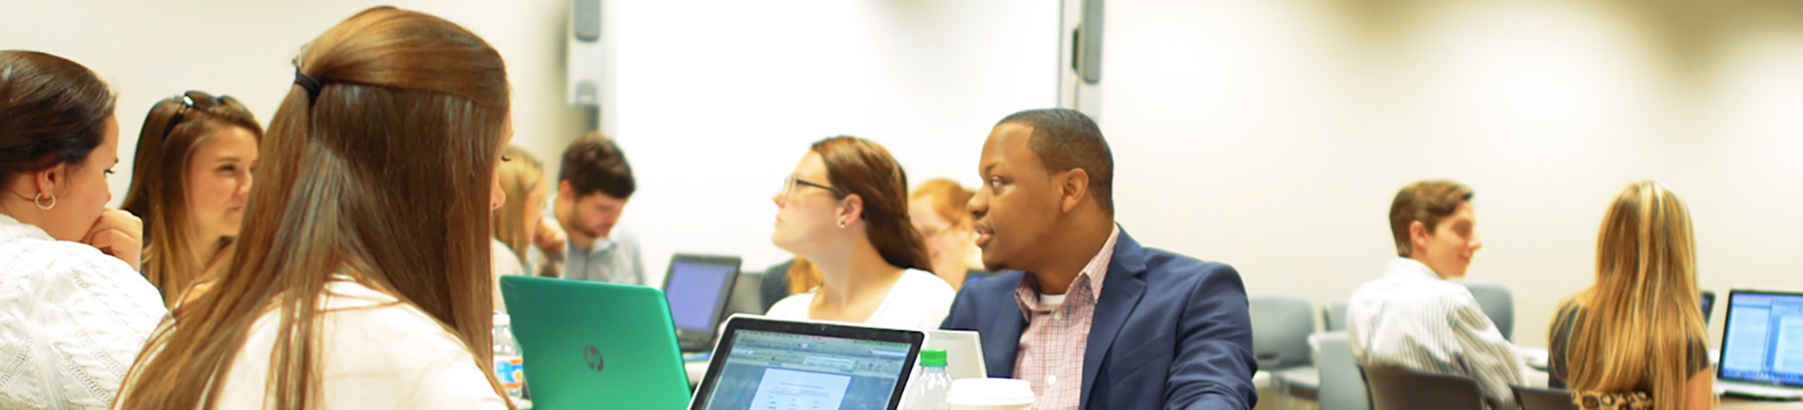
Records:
x=71, y=321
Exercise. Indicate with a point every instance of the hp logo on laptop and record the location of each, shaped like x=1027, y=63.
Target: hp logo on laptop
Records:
x=593, y=356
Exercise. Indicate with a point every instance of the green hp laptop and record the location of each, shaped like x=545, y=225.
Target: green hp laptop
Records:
x=592, y=345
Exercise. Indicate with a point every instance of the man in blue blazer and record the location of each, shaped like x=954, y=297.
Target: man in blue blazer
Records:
x=1087, y=316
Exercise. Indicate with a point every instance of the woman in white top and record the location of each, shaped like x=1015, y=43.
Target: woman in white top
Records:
x=72, y=318
x=361, y=276
x=844, y=212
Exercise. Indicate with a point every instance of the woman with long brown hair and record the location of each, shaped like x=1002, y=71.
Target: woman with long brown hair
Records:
x=844, y=212
x=189, y=183
x=361, y=277
x=1635, y=340
x=73, y=310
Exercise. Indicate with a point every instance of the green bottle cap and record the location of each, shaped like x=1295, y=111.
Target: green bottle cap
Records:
x=932, y=358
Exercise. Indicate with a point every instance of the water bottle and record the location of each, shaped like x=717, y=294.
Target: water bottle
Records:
x=932, y=382
x=509, y=366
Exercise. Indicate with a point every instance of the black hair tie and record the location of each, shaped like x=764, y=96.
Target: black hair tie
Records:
x=310, y=84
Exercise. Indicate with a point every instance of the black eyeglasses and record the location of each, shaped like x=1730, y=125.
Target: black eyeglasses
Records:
x=790, y=183
x=195, y=100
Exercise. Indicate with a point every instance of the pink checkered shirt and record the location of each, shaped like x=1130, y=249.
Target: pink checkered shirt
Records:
x=1052, y=347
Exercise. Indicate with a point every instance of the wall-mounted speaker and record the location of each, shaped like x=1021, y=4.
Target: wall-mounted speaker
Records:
x=583, y=54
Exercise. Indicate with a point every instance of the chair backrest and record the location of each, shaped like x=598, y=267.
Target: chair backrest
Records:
x=1708, y=297
x=1280, y=329
x=1499, y=304
x=1341, y=386
x=1543, y=399
x=1395, y=388
x=775, y=284
x=1333, y=317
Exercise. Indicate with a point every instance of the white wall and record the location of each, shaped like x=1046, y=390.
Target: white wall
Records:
x=149, y=51
x=716, y=101
x=1272, y=135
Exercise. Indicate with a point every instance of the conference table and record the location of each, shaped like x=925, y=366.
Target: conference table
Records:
x=1279, y=396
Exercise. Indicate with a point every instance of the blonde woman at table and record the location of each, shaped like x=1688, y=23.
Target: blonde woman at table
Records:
x=844, y=212
x=361, y=277
x=1636, y=337
x=73, y=310
x=519, y=223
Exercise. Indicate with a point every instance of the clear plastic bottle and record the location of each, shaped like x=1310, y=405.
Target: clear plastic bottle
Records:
x=509, y=366
x=931, y=383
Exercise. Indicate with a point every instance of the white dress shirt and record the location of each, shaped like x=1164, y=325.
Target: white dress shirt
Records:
x=918, y=301
x=72, y=321
x=1412, y=318
x=378, y=353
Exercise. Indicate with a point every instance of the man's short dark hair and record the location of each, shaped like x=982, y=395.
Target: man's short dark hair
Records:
x=1426, y=202
x=1065, y=139
x=594, y=164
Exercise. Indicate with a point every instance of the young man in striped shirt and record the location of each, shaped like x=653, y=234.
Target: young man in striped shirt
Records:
x=1414, y=317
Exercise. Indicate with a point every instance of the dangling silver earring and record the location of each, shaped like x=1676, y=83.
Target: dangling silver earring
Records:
x=39, y=201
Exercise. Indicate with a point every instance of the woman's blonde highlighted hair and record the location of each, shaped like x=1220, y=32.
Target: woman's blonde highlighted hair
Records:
x=1640, y=320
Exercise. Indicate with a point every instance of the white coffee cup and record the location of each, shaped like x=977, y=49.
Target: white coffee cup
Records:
x=990, y=394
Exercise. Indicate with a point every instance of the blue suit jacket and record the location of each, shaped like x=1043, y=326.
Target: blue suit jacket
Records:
x=1170, y=332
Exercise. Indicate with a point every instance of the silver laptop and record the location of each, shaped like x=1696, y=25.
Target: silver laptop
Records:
x=762, y=363
x=963, y=352
x=1762, y=345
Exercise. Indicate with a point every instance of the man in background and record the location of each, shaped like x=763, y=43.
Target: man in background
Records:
x=1413, y=317
x=593, y=185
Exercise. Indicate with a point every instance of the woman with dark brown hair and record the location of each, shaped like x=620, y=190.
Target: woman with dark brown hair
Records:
x=71, y=316
x=844, y=211
x=361, y=277
x=189, y=182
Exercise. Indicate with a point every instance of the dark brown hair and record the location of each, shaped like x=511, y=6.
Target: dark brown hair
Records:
x=1425, y=202
x=593, y=164
x=1065, y=139
x=857, y=166
x=383, y=176
x=172, y=131
x=52, y=111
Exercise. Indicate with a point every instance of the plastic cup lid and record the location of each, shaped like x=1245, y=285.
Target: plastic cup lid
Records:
x=990, y=392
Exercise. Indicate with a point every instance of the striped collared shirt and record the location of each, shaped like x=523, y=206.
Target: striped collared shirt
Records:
x=1057, y=335
x=1412, y=318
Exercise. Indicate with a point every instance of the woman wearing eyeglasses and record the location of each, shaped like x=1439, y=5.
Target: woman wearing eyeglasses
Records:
x=73, y=310
x=844, y=211
x=189, y=182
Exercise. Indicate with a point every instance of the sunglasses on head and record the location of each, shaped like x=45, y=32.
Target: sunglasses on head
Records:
x=195, y=100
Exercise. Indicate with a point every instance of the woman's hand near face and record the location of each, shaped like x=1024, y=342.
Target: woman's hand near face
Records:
x=118, y=234
x=550, y=237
